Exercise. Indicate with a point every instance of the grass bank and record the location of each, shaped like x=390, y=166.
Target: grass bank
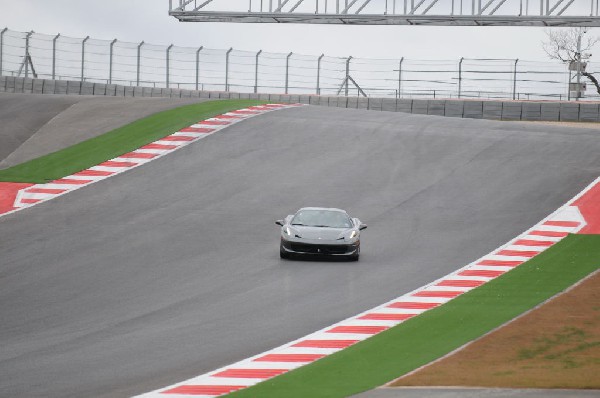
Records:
x=117, y=142
x=437, y=332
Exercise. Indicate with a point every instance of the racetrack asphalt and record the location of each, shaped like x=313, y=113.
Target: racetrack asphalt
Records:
x=172, y=269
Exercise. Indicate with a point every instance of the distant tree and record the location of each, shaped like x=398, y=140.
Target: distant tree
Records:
x=563, y=45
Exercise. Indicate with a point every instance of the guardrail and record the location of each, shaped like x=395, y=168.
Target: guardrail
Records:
x=474, y=109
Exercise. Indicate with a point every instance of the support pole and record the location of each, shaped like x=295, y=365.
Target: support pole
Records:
x=83, y=58
x=347, y=74
x=581, y=32
x=168, y=64
x=227, y=68
x=515, y=80
x=256, y=72
x=139, y=51
x=2, y=47
x=27, y=56
x=198, y=66
x=54, y=56
x=460, y=77
x=287, y=70
x=400, y=77
x=319, y=74
x=112, y=43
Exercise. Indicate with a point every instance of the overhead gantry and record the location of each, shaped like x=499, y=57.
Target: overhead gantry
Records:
x=553, y=13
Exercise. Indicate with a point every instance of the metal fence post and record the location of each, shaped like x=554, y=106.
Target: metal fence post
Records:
x=287, y=69
x=515, y=79
x=347, y=73
x=137, y=74
x=54, y=56
x=110, y=60
x=198, y=66
x=26, y=59
x=2, y=46
x=168, y=63
x=400, y=77
x=460, y=77
x=227, y=68
x=256, y=72
x=319, y=74
x=83, y=58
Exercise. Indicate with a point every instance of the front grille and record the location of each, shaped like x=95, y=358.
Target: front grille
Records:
x=319, y=249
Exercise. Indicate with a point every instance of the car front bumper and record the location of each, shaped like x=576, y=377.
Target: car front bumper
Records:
x=320, y=248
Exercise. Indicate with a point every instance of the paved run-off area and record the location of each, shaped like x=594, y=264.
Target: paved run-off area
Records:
x=172, y=269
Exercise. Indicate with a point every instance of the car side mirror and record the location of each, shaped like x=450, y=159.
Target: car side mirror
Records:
x=362, y=226
x=279, y=222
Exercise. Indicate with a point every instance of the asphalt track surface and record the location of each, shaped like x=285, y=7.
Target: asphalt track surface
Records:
x=172, y=269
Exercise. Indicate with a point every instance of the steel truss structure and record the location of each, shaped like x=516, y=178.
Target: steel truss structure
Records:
x=392, y=12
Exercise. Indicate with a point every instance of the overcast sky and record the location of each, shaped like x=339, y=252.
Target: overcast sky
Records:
x=148, y=20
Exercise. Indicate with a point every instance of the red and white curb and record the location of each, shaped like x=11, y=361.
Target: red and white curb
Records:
x=580, y=214
x=19, y=196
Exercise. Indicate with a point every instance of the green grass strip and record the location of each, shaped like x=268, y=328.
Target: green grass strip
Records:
x=422, y=339
x=117, y=142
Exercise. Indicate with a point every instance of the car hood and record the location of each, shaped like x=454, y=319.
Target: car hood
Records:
x=320, y=233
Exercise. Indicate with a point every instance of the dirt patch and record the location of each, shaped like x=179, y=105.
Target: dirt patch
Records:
x=554, y=346
x=583, y=125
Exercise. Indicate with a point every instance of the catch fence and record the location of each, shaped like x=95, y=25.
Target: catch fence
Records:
x=29, y=54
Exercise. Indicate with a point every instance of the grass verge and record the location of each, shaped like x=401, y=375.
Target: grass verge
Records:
x=117, y=142
x=437, y=332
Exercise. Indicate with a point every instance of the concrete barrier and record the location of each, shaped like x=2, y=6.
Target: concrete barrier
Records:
x=477, y=109
x=419, y=107
x=473, y=110
x=454, y=108
x=550, y=111
x=38, y=86
x=569, y=112
x=436, y=107
x=492, y=110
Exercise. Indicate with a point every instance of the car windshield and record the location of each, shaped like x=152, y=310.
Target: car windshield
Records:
x=322, y=218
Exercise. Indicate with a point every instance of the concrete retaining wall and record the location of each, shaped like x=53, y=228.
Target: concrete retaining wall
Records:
x=475, y=109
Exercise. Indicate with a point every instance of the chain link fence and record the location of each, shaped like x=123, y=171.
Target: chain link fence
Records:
x=29, y=54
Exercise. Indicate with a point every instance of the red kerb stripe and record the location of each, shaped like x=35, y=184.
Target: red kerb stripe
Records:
x=250, y=373
x=94, y=173
x=500, y=263
x=203, y=130
x=530, y=242
x=554, y=234
x=460, y=283
x=214, y=122
x=203, y=390
x=159, y=146
x=73, y=182
x=486, y=273
x=562, y=223
x=30, y=201
x=289, y=358
x=112, y=163
x=358, y=329
x=517, y=253
x=138, y=155
x=436, y=293
x=326, y=343
x=386, y=317
x=45, y=190
x=178, y=138
x=413, y=305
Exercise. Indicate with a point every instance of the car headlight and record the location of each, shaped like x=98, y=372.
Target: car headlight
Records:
x=287, y=231
x=349, y=235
